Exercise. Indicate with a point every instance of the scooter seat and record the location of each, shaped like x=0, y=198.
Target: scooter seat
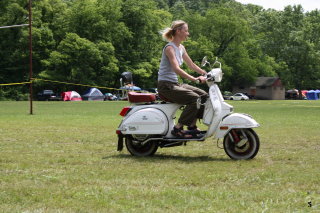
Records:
x=135, y=97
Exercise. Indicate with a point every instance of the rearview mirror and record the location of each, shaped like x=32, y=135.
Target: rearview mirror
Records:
x=204, y=61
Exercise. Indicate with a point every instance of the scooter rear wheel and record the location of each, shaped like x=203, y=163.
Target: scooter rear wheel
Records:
x=247, y=146
x=136, y=148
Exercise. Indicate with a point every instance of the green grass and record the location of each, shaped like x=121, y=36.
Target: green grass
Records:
x=64, y=159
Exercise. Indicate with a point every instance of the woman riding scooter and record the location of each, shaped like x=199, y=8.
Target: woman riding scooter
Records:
x=173, y=55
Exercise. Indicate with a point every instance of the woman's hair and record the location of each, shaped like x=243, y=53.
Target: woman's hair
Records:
x=168, y=33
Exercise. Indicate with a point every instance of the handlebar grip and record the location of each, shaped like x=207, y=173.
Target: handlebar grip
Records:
x=210, y=77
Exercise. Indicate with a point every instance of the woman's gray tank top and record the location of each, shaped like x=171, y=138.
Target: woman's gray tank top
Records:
x=166, y=73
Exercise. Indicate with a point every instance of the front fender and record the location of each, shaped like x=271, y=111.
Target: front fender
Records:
x=235, y=121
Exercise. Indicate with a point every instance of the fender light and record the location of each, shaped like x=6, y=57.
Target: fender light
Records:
x=224, y=128
x=125, y=111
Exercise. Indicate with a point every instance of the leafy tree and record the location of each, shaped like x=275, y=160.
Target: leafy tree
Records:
x=179, y=10
x=97, y=20
x=287, y=36
x=13, y=48
x=143, y=47
x=223, y=28
x=51, y=14
x=312, y=27
x=94, y=41
x=78, y=60
x=13, y=52
x=230, y=35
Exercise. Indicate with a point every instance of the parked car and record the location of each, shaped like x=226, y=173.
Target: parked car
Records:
x=47, y=95
x=238, y=97
x=110, y=97
x=227, y=95
x=249, y=96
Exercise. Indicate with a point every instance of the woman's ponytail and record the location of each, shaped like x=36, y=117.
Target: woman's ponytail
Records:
x=169, y=32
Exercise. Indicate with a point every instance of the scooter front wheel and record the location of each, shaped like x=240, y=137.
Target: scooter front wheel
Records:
x=137, y=148
x=241, y=144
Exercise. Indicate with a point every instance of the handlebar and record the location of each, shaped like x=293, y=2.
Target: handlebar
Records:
x=209, y=77
x=217, y=62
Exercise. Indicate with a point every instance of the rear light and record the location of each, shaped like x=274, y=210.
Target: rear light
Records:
x=125, y=111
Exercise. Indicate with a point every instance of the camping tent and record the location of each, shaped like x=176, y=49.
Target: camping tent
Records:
x=132, y=88
x=304, y=93
x=93, y=94
x=318, y=93
x=312, y=95
x=71, y=96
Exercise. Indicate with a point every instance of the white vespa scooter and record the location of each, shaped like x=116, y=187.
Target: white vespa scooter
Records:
x=147, y=125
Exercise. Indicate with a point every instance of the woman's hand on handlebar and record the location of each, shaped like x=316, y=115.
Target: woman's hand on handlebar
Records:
x=202, y=79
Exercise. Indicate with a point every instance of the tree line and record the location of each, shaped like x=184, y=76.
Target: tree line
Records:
x=93, y=41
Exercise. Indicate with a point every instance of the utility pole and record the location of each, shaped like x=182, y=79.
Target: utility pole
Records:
x=30, y=57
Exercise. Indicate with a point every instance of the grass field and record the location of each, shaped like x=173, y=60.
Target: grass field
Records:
x=64, y=159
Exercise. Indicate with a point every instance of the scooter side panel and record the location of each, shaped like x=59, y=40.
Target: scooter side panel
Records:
x=235, y=121
x=145, y=121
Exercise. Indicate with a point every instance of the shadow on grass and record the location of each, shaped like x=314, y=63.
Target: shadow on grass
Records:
x=164, y=157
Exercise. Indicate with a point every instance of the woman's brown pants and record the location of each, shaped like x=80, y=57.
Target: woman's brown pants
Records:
x=186, y=95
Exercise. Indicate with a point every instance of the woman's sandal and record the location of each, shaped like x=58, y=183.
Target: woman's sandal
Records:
x=179, y=133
